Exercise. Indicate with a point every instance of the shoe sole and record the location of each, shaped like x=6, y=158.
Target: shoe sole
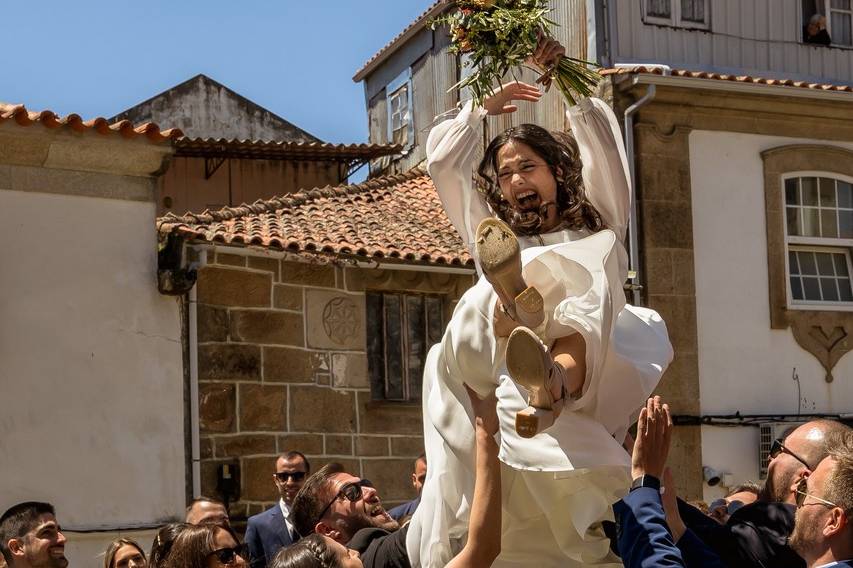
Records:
x=526, y=365
x=500, y=258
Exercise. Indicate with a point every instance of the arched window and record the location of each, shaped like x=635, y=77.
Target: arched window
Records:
x=819, y=235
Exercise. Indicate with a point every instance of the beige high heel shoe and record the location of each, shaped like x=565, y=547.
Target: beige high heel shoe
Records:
x=500, y=257
x=530, y=364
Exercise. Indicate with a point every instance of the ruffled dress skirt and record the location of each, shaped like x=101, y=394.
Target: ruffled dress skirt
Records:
x=558, y=486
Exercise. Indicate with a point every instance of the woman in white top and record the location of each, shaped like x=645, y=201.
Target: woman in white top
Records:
x=601, y=358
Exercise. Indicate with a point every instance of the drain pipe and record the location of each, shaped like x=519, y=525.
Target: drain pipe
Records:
x=195, y=439
x=634, y=218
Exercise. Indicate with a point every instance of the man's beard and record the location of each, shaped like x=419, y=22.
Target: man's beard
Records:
x=803, y=536
x=528, y=221
x=49, y=562
x=364, y=521
x=776, y=493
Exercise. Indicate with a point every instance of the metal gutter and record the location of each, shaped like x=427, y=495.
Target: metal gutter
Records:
x=195, y=441
x=369, y=264
x=736, y=87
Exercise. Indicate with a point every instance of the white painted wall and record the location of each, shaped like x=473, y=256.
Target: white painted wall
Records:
x=743, y=364
x=91, y=382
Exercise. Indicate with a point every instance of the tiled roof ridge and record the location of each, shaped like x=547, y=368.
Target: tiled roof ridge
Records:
x=280, y=143
x=288, y=201
x=24, y=117
x=415, y=23
x=657, y=70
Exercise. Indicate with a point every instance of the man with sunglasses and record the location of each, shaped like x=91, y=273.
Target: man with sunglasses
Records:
x=347, y=509
x=271, y=530
x=823, y=531
x=757, y=534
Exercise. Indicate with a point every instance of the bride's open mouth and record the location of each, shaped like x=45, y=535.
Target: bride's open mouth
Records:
x=528, y=200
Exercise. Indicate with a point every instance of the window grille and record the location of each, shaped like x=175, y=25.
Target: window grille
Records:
x=401, y=328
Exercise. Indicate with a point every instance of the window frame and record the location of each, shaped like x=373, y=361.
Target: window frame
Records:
x=824, y=8
x=675, y=20
x=405, y=352
x=813, y=244
x=402, y=80
x=829, y=10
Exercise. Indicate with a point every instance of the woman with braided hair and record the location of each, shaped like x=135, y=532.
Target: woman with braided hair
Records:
x=547, y=324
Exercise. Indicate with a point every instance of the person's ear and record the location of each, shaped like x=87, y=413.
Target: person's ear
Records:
x=326, y=530
x=16, y=546
x=802, y=474
x=414, y=480
x=835, y=523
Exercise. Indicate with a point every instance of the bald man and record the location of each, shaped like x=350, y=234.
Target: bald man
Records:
x=757, y=534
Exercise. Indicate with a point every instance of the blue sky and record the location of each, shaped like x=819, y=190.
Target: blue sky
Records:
x=294, y=57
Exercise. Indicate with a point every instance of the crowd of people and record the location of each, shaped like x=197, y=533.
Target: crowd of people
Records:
x=801, y=516
x=543, y=363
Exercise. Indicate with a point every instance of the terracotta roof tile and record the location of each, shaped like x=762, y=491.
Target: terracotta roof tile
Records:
x=201, y=147
x=396, y=217
x=435, y=9
x=725, y=77
x=49, y=119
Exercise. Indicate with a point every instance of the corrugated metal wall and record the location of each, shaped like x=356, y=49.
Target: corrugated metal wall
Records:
x=434, y=74
x=755, y=37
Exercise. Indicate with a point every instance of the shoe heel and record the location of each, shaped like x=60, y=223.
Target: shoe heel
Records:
x=531, y=421
x=530, y=308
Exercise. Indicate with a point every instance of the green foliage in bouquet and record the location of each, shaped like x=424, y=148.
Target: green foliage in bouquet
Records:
x=500, y=35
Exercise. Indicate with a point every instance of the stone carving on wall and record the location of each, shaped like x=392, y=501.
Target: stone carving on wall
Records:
x=340, y=320
x=827, y=343
x=334, y=320
x=824, y=334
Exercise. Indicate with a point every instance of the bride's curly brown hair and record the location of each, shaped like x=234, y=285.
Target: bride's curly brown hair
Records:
x=560, y=151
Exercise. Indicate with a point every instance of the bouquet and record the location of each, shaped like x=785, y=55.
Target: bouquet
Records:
x=501, y=35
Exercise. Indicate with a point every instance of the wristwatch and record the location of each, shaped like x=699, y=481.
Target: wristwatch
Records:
x=646, y=481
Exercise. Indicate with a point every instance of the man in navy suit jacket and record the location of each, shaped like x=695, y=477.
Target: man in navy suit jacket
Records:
x=643, y=538
x=823, y=530
x=272, y=530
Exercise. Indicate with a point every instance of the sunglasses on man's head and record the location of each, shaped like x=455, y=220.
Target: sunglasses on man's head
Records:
x=778, y=447
x=351, y=491
x=228, y=555
x=295, y=475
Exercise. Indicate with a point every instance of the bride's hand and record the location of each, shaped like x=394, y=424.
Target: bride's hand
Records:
x=547, y=52
x=500, y=101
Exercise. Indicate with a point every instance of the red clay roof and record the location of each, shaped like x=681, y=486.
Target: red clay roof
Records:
x=396, y=217
x=725, y=77
x=259, y=149
x=435, y=9
x=99, y=125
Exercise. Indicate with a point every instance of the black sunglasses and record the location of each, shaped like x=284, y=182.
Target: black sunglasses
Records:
x=296, y=476
x=228, y=555
x=778, y=447
x=351, y=491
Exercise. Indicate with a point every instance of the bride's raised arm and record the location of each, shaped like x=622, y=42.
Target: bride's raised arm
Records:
x=605, y=166
x=451, y=148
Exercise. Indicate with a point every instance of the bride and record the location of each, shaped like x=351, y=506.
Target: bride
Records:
x=547, y=324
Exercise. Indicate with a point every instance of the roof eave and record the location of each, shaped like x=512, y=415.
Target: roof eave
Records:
x=628, y=80
x=405, y=36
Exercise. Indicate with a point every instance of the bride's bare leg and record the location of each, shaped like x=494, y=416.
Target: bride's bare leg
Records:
x=570, y=353
x=549, y=375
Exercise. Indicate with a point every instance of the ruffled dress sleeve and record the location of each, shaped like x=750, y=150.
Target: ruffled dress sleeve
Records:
x=451, y=148
x=605, y=165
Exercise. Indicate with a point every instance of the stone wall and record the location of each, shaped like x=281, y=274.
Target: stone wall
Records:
x=282, y=366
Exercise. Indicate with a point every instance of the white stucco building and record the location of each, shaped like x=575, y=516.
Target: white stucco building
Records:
x=91, y=381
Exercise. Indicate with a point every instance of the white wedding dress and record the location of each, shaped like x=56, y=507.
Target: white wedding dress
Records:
x=558, y=486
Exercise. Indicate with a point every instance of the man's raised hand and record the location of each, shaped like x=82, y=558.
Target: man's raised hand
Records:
x=651, y=447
